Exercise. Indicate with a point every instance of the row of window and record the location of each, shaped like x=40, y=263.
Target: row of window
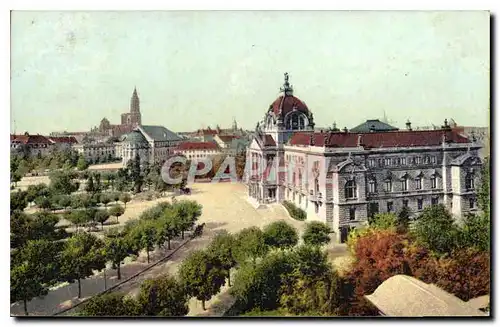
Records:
x=401, y=161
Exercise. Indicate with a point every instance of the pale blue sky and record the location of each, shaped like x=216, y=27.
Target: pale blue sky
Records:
x=195, y=69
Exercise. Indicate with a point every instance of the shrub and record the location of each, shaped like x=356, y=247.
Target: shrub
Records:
x=316, y=233
x=294, y=211
x=280, y=234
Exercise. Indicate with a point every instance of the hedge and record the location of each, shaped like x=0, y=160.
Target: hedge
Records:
x=295, y=211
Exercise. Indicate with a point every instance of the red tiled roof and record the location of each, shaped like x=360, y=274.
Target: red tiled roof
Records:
x=228, y=138
x=30, y=139
x=206, y=131
x=288, y=104
x=269, y=141
x=197, y=146
x=378, y=140
x=63, y=139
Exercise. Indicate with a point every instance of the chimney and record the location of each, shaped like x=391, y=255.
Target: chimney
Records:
x=360, y=140
x=408, y=125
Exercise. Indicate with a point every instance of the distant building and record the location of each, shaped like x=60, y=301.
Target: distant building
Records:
x=30, y=145
x=152, y=143
x=198, y=150
x=63, y=143
x=96, y=152
x=373, y=125
x=129, y=120
x=231, y=144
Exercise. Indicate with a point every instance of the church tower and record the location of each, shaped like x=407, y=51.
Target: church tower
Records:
x=135, y=112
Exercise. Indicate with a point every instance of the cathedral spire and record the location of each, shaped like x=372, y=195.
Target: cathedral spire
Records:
x=134, y=102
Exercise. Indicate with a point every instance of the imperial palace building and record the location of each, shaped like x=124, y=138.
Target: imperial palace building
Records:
x=343, y=177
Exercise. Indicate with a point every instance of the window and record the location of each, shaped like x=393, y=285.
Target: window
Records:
x=404, y=184
x=300, y=198
x=350, y=189
x=316, y=185
x=389, y=206
x=405, y=203
x=420, y=204
x=387, y=161
x=371, y=162
x=471, y=203
x=418, y=160
x=300, y=178
x=434, y=201
x=418, y=183
x=403, y=161
x=352, y=213
x=469, y=181
x=293, y=179
x=372, y=186
x=433, y=159
x=433, y=182
x=388, y=186
x=316, y=207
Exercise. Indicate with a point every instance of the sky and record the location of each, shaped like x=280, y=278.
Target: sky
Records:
x=195, y=69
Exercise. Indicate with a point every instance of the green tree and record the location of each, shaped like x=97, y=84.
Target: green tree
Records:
x=101, y=216
x=15, y=177
x=484, y=189
x=89, y=188
x=163, y=296
x=33, y=271
x=116, y=211
x=82, y=253
x=44, y=202
x=18, y=201
x=82, y=163
x=143, y=236
x=116, y=249
x=475, y=232
x=250, y=243
x=166, y=228
x=41, y=225
x=403, y=219
x=105, y=199
x=202, y=276
x=316, y=233
x=35, y=191
x=188, y=213
x=384, y=221
x=62, y=182
x=280, y=235
x=222, y=248
x=111, y=305
x=436, y=230
x=125, y=198
x=64, y=201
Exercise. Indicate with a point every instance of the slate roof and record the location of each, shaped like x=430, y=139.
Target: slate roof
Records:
x=373, y=125
x=378, y=139
x=287, y=103
x=63, y=139
x=135, y=137
x=405, y=296
x=160, y=133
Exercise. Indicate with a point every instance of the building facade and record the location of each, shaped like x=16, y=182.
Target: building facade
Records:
x=96, y=152
x=343, y=178
x=198, y=150
x=153, y=144
x=30, y=145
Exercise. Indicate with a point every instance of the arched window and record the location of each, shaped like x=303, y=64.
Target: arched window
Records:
x=372, y=186
x=404, y=183
x=469, y=181
x=350, y=189
x=295, y=121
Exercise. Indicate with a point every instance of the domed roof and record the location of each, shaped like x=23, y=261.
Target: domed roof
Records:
x=286, y=103
x=134, y=137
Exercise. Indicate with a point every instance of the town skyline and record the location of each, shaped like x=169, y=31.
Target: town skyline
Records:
x=83, y=74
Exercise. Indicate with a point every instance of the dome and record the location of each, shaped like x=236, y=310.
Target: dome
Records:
x=288, y=103
x=134, y=137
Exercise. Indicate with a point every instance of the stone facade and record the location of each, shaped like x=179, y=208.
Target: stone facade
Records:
x=343, y=178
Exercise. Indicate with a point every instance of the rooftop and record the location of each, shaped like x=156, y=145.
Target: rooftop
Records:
x=406, y=296
x=159, y=133
x=197, y=146
x=373, y=125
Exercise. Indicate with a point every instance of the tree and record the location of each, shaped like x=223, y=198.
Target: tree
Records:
x=143, y=236
x=82, y=253
x=280, y=235
x=250, y=243
x=76, y=217
x=163, y=296
x=111, y=305
x=260, y=285
x=33, y=271
x=44, y=202
x=62, y=182
x=105, y=199
x=64, y=201
x=187, y=214
x=475, y=232
x=18, y=201
x=41, y=225
x=166, y=227
x=202, y=276
x=116, y=211
x=15, y=177
x=82, y=163
x=89, y=188
x=222, y=248
x=384, y=221
x=116, y=249
x=125, y=198
x=316, y=233
x=37, y=190
x=101, y=216
x=403, y=219
x=436, y=230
